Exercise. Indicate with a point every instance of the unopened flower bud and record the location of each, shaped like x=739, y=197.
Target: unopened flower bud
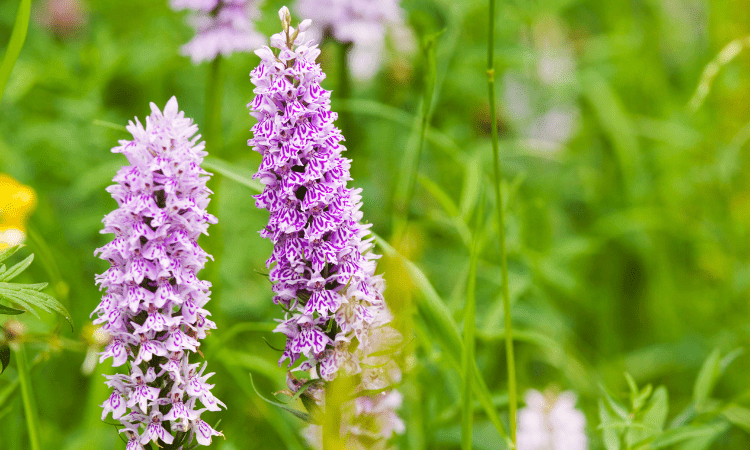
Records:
x=285, y=17
x=14, y=330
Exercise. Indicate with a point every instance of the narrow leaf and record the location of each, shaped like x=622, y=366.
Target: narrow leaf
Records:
x=738, y=415
x=445, y=331
x=674, y=436
x=299, y=414
x=15, y=44
x=4, y=357
x=706, y=379
x=233, y=172
x=17, y=269
x=8, y=252
x=616, y=407
x=10, y=311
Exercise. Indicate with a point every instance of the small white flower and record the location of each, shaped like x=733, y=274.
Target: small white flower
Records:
x=550, y=422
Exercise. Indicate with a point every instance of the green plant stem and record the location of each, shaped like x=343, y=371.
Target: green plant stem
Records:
x=27, y=395
x=17, y=38
x=214, y=145
x=345, y=93
x=214, y=89
x=512, y=389
x=467, y=359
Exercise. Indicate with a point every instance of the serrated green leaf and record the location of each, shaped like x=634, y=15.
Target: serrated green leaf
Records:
x=17, y=269
x=4, y=357
x=27, y=298
x=10, y=311
x=706, y=379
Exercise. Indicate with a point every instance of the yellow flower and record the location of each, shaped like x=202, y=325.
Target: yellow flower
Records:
x=16, y=204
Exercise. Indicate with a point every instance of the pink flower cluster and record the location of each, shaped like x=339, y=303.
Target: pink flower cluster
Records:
x=154, y=305
x=322, y=266
x=222, y=27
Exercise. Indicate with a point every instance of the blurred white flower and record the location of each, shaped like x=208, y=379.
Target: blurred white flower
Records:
x=362, y=23
x=550, y=422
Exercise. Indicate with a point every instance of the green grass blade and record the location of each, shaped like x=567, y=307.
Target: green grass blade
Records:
x=15, y=44
x=27, y=395
x=469, y=341
x=499, y=208
x=432, y=308
x=233, y=172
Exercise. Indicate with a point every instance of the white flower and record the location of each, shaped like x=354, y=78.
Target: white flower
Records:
x=551, y=422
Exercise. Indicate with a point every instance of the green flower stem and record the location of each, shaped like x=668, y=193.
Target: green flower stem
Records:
x=214, y=145
x=337, y=393
x=27, y=395
x=467, y=357
x=15, y=44
x=345, y=92
x=512, y=388
x=214, y=90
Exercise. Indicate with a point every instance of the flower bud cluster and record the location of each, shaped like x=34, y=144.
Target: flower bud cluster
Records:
x=222, y=27
x=322, y=266
x=154, y=305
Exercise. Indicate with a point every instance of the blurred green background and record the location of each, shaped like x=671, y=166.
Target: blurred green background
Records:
x=628, y=210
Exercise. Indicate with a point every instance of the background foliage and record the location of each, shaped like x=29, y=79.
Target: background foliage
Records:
x=628, y=211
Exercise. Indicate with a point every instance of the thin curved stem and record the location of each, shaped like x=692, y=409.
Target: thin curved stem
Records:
x=27, y=396
x=15, y=44
x=512, y=388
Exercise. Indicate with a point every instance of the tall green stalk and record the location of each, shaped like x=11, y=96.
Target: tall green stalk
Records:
x=467, y=357
x=214, y=90
x=512, y=388
x=345, y=92
x=15, y=44
x=27, y=396
x=214, y=145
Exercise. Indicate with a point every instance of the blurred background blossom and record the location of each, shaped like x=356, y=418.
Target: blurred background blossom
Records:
x=365, y=25
x=64, y=18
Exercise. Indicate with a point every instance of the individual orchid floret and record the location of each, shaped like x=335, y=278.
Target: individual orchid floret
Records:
x=364, y=25
x=322, y=267
x=551, y=422
x=154, y=307
x=222, y=27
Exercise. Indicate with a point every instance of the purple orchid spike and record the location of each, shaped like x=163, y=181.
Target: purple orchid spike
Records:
x=322, y=265
x=154, y=305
